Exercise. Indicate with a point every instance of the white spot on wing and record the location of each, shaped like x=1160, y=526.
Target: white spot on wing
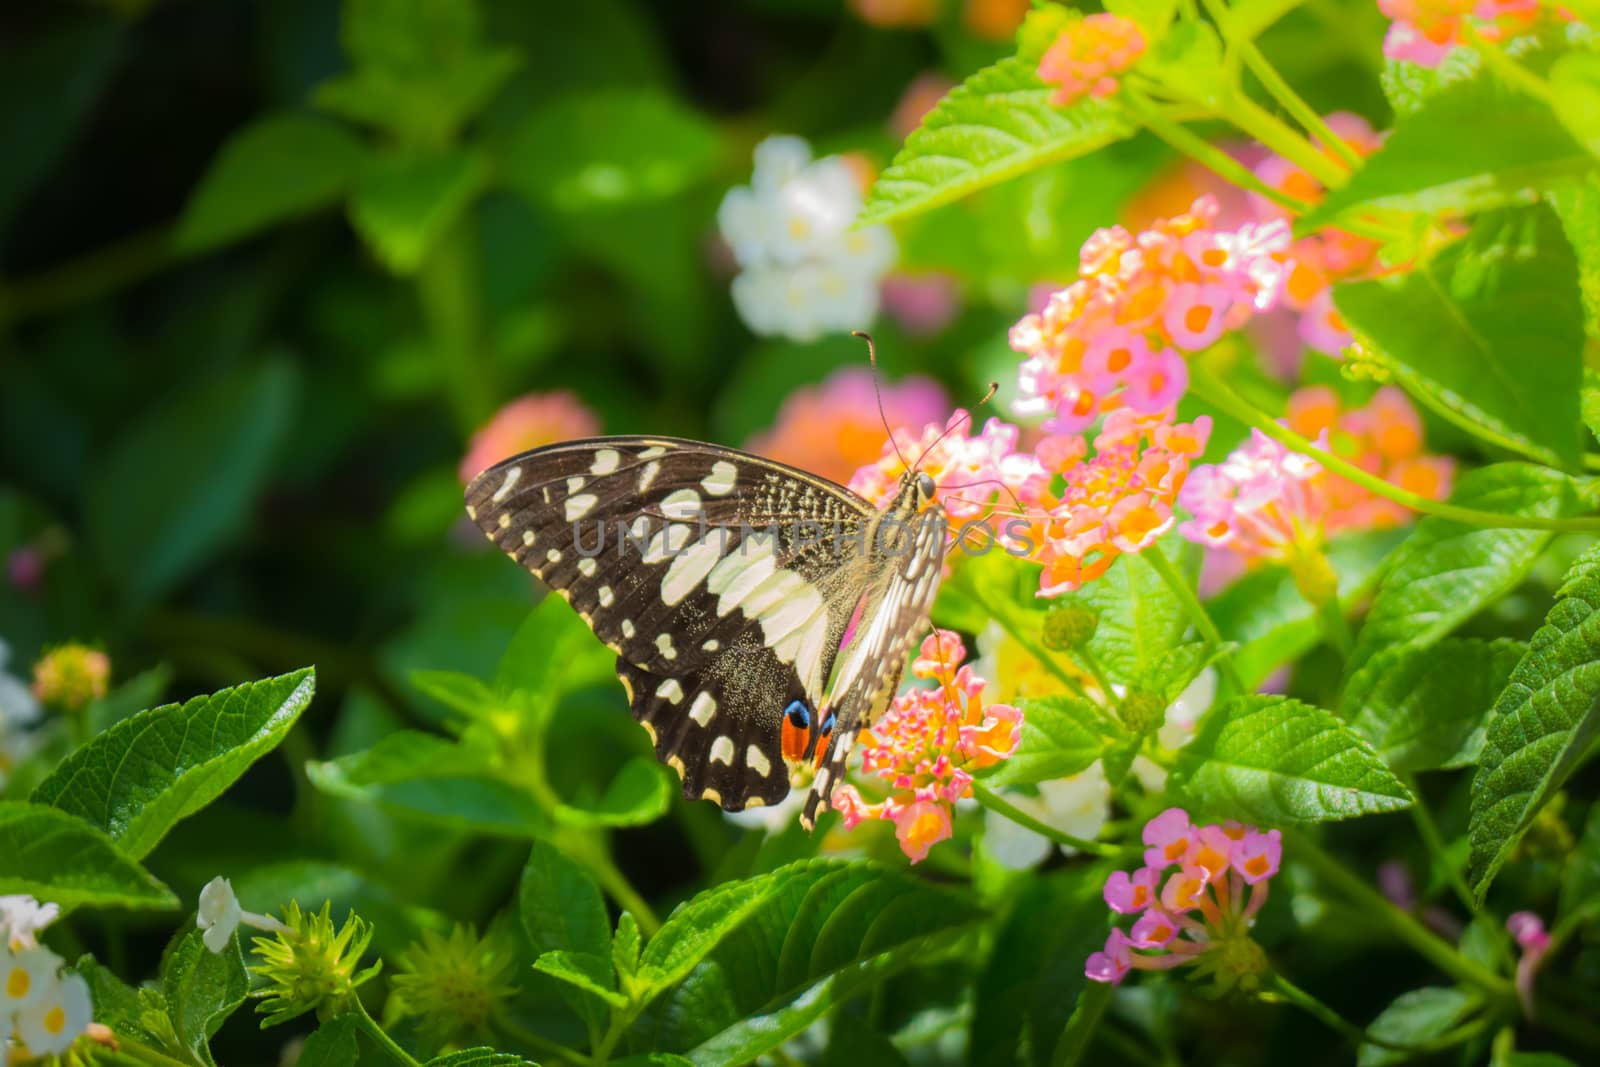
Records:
x=670, y=691
x=682, y=504
x=669, y=541
x=653, y=451
x=702, y=711
x=648, y=476
x=627, y=628
x=690, y=568
x=505, y=487
x=712, y=645
x=605, y=596
x=664, y=646
x=527, y=538
x=554, y=555
x=605, y=461
x=574, y=484
x=587, y=567
x=722, y=751
x=721, y=480
x=757, y=761
x=580, y=505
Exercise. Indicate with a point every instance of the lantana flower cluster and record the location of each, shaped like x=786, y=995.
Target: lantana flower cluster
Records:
x=1115, y=337
x=927, y=746
x=1424, y=31
x=968, y=469
x=1265, y=502
x=42, y=1009
x=1194, y=899
x=529, y=421
x=1318, y=260
x=1087, y=57
x=803, y=270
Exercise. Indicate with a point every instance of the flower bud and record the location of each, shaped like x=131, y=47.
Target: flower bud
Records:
x=71, y=677
x=1069, y=627
x=1315, y=577
x=1142, y=711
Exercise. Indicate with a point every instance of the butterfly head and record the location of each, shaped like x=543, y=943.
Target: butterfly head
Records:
x=917, y=491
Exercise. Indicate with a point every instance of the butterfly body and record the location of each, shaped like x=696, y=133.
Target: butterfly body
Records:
x=761, y=615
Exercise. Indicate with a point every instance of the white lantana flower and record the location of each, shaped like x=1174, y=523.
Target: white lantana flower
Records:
x=18, y=706
x=804, y=272
x=1079, y=805
x=53, y=1022
x=1177, y=729
x=21, y=919
x=219, y=914
x=25, y=977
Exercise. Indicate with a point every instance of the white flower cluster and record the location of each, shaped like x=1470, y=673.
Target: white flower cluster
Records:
x=219, y=916
x=18, y=709
x=42, y=1010
x=803, y=271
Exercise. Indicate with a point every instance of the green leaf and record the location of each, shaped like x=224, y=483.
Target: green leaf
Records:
x=640, y=793
x=553, y=652
x=1140, y=617
x=202, y=988
x=616, y=146
x=1489, y=333
x=1542, y=724
x=745, y=947
x=996, y=125
x=1273, y=623
x=116, y=1004
x=1061, y=736
x=1412, y=1019
x=403, y=205
x=1427, y=708
x=591, y=975
x=280, y=167
x=436, y=779
x=479, y=1057
x=625, y=946
x=1180, y=665
x=1447, y=571
x=1580, y=886
x=462, y=692
x=560, y=905
x=1273, y=761
x=143, y=776
x=1517, y=145
x=1080, y=1028
x=59, y=857
x=1408, y=86
x=333, y=1044
x=176, y=486
x=1033, y=976
x=1575, y=95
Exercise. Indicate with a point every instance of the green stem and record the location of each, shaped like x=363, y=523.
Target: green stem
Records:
x=1202, y=151
x=1433, y=841
x=448, y=291
x=1290, y=993
x=84, y=279
x=1208, y=387
x=380, y=1035
x=1378, y=908
x=1197, y=614
x=1282, y=92
x=594, y=857
x=1281, y=138
x=139, y=1052
x=544, y=1046
x=1335, y=626
x=995, y=802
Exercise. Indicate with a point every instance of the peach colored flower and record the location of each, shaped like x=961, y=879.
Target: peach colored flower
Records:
x=527, y=422
x=834, y=428
x=1088, y=55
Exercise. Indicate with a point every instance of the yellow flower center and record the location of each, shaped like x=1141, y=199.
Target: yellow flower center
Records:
x=18, y=984
x=55, y=1020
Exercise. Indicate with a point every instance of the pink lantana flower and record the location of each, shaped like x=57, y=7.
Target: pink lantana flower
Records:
x=926, y=747
x=527, y=422
x=1205, y=907
x=1425, y=31
x=1534, y=940
x=1265, y=502
x=834, y=428
x=1089, y=55
x=1115, y=337
x=969, y=470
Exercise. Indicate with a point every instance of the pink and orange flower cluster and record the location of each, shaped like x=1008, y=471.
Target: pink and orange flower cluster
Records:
x=1088, y=56
x=1265, y=502
x=1116, y=336
x=1201, y=911
x=926, y=747
x=1424, y=31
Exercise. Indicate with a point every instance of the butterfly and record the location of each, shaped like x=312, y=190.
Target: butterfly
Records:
x=762, y=616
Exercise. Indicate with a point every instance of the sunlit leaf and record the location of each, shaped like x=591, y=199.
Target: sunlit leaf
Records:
x=59, y=857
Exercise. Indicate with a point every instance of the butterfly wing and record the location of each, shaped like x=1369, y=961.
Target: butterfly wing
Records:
x=712, y=573
x=874, y=661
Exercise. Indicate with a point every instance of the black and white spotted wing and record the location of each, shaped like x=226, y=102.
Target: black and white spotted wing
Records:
x=725, y=583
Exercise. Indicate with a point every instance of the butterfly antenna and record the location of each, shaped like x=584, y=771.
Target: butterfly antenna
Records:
x=877, y=391
x=994, y=387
